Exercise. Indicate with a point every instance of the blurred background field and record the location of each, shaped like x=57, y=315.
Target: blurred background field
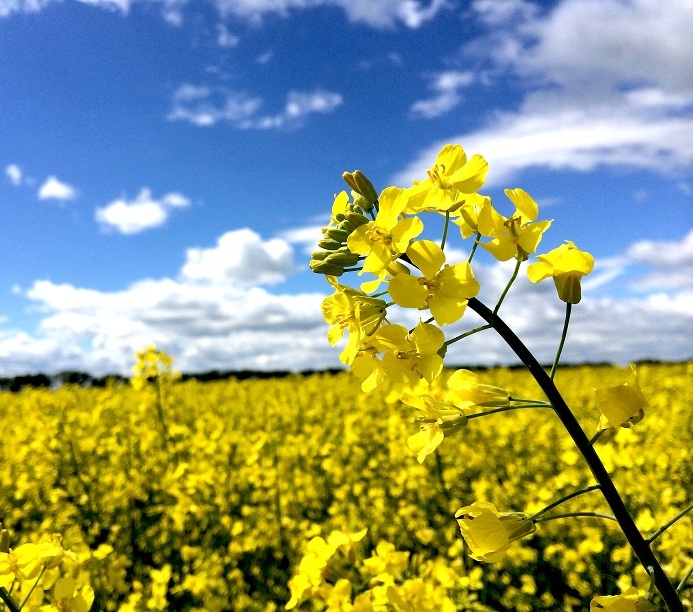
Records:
x=204, y=495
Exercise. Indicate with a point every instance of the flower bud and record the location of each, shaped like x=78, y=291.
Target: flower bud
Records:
x=324, y=267
x=364, y=186
x=342, y=259
x=339, y=235
x=356, y=219
x=320, y=255
x=329, y=244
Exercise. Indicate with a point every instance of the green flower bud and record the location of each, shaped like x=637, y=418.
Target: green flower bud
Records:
x=347, y=226
x=320, y=255
x=329, y=244
x=343, y=259
x=339, y=235
x=364, y=186
x=356, y=219
x=350, y=180
x=323, y=267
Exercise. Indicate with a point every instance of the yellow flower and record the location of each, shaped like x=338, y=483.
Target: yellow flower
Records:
x=567, y=265
x=388, y=236
x=516, y=236
x=628, y=601
x=25, y=562
x=438, y=419
x=410, y=356
x=489, y=533
x=351, y=310
x=622, y=405
x=443, y=289
x=464, y=390
x=449, y=180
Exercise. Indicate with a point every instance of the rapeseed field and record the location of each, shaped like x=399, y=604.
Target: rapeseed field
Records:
x=302, y=491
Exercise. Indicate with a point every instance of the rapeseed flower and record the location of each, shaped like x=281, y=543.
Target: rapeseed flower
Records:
x=387, y=237
x=449, y=180
x=443, y=289
x=628, y=601
x=515, y=236
x=465, y=390
x=567, y=265
x=622, y=405
x=489, y=533
x=25, y=562
x=437, y=420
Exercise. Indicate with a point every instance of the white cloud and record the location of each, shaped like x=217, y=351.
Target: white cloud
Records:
x=140, y=214
x=214, y=316
x=14, y=174
x=54, y=189
x=204, y=106
x=671, y=263
x=240, y=257
x=224, y=38
x=446, y=86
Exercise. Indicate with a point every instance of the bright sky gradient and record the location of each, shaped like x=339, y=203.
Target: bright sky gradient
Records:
x=166, y=166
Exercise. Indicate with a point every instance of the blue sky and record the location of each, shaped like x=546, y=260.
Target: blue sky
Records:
x=166, y=167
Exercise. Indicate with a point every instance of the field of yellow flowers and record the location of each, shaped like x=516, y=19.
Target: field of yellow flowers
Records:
x=255, y=494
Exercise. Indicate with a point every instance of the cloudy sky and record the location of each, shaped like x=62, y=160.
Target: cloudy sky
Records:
x=167, y=164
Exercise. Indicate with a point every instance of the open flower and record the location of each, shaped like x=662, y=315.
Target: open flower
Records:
x=437, y=419
x=622, y=405
x=515, y=236
x=444, y=289
x=489, y=533
x=628, y=601
x=567, y=265
x=464, y=390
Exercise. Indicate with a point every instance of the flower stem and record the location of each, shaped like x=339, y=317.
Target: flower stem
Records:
x=596, y=436
x=684, y=580
x=505, y=409
x=562, y=342
x=639, y=545
x=507, y=287
x=445, y=230
x=476, y=244
x=666, y=526
x=8, y=601
x=551, y=506
x=468, y=333
x=571, y=514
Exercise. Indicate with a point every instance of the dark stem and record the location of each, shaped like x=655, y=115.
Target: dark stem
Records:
x=639, y=545
x=562, y=342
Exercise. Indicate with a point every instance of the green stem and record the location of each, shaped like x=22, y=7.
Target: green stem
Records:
x=596, y=436
x=8, y=601
x=528, y=401
x=445, y=230
x=476, y=244
x=465, y=334
x=666, y=526
x=507, y=287
x=562, y=342
x=651, y=587
x=571, y=514
x=33, y=586
x=505, y=409
x=552, y=505
x=639, y=545
x=684, y=580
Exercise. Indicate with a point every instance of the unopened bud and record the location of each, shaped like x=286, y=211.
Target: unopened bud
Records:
x=320, y=255
x=323, y=267
x=329, y=244
x=349, y=180
x=347, y=226
x=356, y=219
x=339, y=235
x=364, y=186
x=343, y=259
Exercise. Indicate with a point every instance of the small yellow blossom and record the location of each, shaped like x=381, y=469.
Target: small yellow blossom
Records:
x=623, y=405
x=567, y=265
x=489, y=533
x=628, y=601
x=464, y=390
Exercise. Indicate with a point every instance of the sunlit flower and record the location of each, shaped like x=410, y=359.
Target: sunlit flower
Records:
x=444, y=289
x=451, y=177
x=515, y=236
x=464, y=389
x=628, y=601
x=567, y=265
x=489, y=533
x=437, y=419
x=623, y=405
x=388, y=236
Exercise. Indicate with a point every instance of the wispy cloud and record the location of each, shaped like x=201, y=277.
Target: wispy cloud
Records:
x=14, y=173
x=54, y=189
x=206, y=106
x=446, y=94
x=140, y=214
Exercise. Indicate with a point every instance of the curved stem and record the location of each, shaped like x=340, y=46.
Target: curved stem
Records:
x=571, y=514
x=684, y=580
x=507, y=287
x=551, y=506
x=465, y=334
x=476, y=244
x=562, y=342
x=639, y=545
x=504, y=409
x=668, y=524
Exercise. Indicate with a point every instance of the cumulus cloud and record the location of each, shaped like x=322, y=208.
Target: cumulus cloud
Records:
x=611, y=85
x=53, y=189
x=446, y=87
x=142, y=213
x=215, y=315
x=205, y=106
x=671, y=263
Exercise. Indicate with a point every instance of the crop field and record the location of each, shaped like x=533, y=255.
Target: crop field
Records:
x=211, y=496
